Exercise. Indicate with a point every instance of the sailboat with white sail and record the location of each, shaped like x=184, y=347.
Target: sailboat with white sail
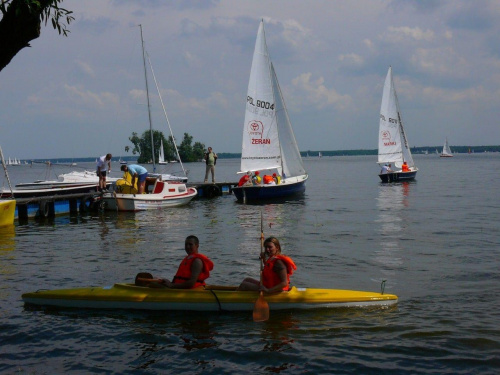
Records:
x=161, y=157
x=446, y=150
x=269, y=144
x=393, y=147
x=158, y=193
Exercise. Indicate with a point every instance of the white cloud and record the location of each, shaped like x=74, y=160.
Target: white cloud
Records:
x=85, y=68
x=89, y=98
x=317, y=94
x=352, y=59
x=442, y=61
x=400, y=34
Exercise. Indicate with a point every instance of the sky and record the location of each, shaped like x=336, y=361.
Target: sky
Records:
x=83, y=95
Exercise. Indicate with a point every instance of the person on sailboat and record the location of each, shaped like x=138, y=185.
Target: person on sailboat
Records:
x=404, y=167
x=276, y=273
x=246, y=179
x=276, y=178
x=138, y=173
x=269, y=180
x=101, y=170
x=210, y=160
x=193, y=271
x=256, y=179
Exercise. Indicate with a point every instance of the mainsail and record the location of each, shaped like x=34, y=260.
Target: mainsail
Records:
x=268, y=139
x=446, y=148
x=393, y=145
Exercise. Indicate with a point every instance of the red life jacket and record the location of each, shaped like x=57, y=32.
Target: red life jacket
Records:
x=184, y=271
x=271, y=278
x=244, y=180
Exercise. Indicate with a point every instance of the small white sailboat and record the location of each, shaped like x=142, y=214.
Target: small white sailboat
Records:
x=269, y=144
x=158, y=193
x=446, y=150
x=161, y=157
x=393, y=149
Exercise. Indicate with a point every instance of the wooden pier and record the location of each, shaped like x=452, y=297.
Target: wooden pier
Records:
x=49, y=206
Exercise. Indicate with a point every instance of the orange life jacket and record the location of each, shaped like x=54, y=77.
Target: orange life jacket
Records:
x=271, y=278
x=184, y=271
x=405, y=168
x=268, y=179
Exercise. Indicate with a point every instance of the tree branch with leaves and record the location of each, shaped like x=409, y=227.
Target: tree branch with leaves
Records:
x=21, y=23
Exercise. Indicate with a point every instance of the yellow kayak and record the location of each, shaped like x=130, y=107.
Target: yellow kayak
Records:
x=209, y=298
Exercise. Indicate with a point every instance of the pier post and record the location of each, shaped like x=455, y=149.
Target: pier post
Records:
x=73, y=206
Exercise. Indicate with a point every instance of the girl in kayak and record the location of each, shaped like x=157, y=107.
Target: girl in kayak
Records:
x=193, y=271
x=276, y=272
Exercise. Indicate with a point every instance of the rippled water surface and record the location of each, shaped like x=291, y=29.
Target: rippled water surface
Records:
x=436, y=242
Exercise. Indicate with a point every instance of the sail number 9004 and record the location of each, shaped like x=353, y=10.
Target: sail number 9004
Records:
x=260, y=103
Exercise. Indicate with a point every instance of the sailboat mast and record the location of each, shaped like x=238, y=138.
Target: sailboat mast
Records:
x=5, y=170
x=166, y=117
x=149, y=106
x=401, y=129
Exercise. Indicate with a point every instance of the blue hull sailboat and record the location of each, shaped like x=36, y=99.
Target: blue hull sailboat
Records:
x=393, y=148
x=269, y=145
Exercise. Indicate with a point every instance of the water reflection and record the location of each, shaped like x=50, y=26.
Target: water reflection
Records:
x=7, y=238
x=392, y=202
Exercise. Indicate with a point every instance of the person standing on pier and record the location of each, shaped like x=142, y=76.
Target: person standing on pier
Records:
x=210, y=159
x=101, y=170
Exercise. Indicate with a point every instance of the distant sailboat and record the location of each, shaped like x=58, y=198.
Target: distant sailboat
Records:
x=161, y=157
x=393, y=145
x=446, y=150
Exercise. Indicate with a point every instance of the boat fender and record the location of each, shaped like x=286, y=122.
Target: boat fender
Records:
x=43, y=210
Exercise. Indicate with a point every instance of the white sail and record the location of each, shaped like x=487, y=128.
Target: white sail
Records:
x=268, y=139
x=446, y=149
x=392, y=143
x=161, y=157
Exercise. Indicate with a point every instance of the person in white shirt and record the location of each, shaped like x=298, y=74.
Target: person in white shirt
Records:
x=101, y=170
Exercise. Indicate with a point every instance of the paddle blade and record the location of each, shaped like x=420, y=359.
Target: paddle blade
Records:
x=261, y=309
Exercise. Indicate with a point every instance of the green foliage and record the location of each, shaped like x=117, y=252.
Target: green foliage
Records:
x=45, y=10
x=142, y=146
x=198, y=151
x=188, y=152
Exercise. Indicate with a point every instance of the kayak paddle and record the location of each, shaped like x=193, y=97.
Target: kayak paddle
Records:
x=261, y=307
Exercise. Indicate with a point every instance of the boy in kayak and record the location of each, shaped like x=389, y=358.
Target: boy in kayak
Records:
x=276, y=272
x=193, y=271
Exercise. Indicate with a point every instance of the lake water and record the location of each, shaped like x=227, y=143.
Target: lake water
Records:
x=435, y=240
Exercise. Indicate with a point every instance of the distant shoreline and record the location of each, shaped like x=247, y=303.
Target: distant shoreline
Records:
x=305, y=154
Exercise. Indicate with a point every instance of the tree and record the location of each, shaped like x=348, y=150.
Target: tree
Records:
x=185, y=149
x=21, y=23
x=142, y=146
x=198, y=151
